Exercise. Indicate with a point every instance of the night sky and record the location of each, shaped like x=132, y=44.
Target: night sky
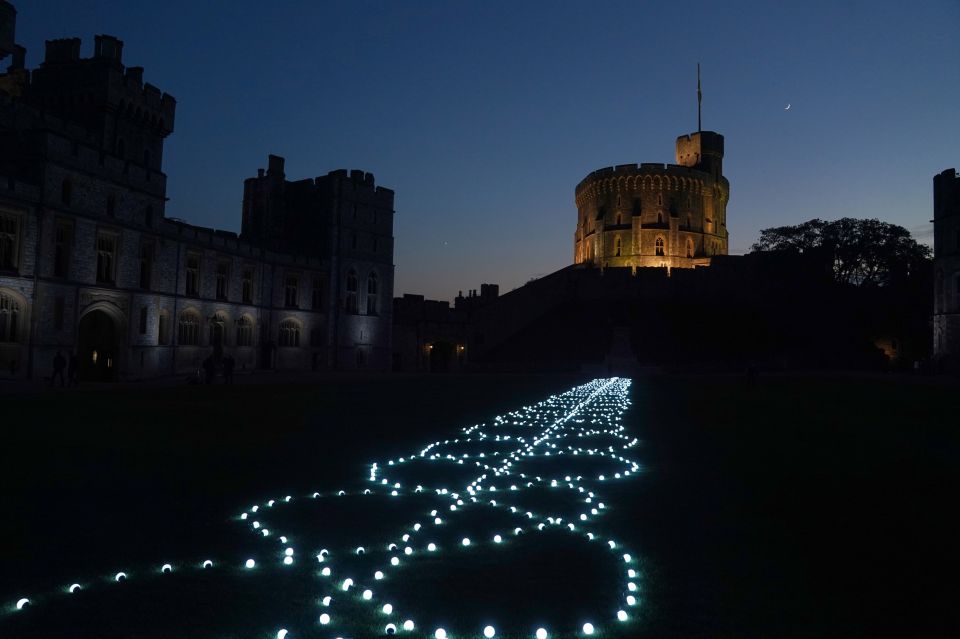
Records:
x=483, y=117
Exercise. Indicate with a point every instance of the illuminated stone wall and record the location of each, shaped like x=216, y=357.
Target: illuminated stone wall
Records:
x=656, y=215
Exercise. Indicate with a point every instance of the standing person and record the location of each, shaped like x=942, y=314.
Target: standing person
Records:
x=59, y=362
x=228, y=368
x=72, y=367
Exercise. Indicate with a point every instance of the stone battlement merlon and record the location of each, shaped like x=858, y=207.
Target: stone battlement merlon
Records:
x=646, y=168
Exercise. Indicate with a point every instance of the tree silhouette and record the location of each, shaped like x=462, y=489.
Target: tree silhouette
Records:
x=864, y=252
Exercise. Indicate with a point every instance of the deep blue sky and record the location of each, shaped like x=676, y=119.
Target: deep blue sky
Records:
x=484, y=116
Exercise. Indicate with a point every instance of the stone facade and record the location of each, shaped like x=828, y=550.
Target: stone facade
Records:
x=656, y=215
x=90, y=264
x=946, y=265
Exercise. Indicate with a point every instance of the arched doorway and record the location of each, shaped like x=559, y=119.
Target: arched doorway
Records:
x=441, y=356
x=98, y=347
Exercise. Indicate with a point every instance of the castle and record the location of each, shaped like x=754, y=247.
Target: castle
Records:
x=946, y=265
x=89, y=262
x=656, y=215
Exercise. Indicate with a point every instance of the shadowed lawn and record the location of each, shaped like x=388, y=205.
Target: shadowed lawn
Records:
x=795, y=507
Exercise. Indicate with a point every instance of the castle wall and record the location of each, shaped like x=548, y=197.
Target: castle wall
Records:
x=946, y=265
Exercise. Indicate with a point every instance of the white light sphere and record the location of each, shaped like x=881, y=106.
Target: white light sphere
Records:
x=465, y=541
x=243, y=516
x=541, y=633
x=326, y=600
x=631, y=573
x=622, y=615
x=489, y=632
x=588, y=628
x=440, y=633
x=408, y=625
x=632, y=587
x=281, y=633
x=394, y=561
x=360, y=550
x=612, y=544
x=324, y=619
x=497, y=539
x=378, y=575
x=390, y=629
x=256, y=524
x=431, y=546
x=387, y=609
x=437, y=521
x=288, y=561
x=627, y=558
x=166, y=568
x=23, y=602
x=631, y=600
x=73, y=588
x=346, y=584
x=288, y=552
x=368, y=594
x=326, y=571
x=250, y=563
x=208, y=564
x=408, y=550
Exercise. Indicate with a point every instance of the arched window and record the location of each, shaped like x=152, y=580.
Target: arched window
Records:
x=244, y=331
x=689, y=248
x=659, y=246
x=617, y=247
x=188, y=329
x=372, y=295
x=350, y=302
x=9, y=318
x=218, y=329
x=289, y=333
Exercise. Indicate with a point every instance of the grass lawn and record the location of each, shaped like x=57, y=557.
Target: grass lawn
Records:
x=793, y=507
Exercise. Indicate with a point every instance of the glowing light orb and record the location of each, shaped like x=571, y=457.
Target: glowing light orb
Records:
x=497, y=539
x=23, y=602
x=120, y=576
x=612, y=544
x=166, y=568
x=325, y=572
x=437, y=521
x=324, y=619
x=431, y=546
x=346, y=584
x=408, y=625
x=287, y=561
x=489, y=632
x=627, y=558
x=207, y=564
x=631, y=600
x=466, y=541
x=440, y=633
x=378, y=575
x=387, y=609
x=632, y=587
x=390, y=629
x=622, y=615
x=73, y=588
x=360, y=550
x=256, y=524
x=541, y=633
x=588, y=628
x=250, y=563
x=368, y=594
x=281, y=633
x=631, y=573
x=326, y=600
x=288, y=552
x=243, y=516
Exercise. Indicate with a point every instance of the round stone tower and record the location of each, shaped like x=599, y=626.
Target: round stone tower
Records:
x=672, y=215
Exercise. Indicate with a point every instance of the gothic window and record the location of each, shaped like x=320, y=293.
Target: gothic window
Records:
x=351, y=298
x=106, y=258
x=290, y=286
x=289, y=333
x=660, y=246
x=372, y=295
x=689, y=248
x=66, y=192
x=189, y=329
x=193, y=274
x=63, y=235
x=316, y=297
x=244, y=331
x=217, y=330
x=9, y=318
x=246, y=286
x=146, y=264
x=616, y=247
x=223, y=279
x=9, y=242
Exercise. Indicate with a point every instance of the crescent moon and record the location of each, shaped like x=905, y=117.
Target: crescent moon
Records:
x=787, y=107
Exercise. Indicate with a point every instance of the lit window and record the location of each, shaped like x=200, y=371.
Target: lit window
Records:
x=189, y=329
x=372, y=295
x=244, y=331
x=290, y=291
x=9, y=318
x=289, y=333
x=659, y=246
x=106, y=258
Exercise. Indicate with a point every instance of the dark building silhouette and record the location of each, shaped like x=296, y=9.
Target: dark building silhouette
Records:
x=946, y=265
x=89, y=262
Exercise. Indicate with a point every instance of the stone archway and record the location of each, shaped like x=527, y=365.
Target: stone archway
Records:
x=98, y=346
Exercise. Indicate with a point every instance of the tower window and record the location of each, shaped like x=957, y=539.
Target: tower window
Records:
x=246, y=286
x=106, y=258
x=372, y=294
x=223, y=277
x=146, y=264
x=193, y=275
x=9, y=319
x=189, y=329
x=244, y=331
x=289, y=333
x=351, y=300
x=617, y=247
x=290, y=291
x=660, y=246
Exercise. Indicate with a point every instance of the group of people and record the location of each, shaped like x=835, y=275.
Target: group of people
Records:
x=72, y=365
x=226, y=365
